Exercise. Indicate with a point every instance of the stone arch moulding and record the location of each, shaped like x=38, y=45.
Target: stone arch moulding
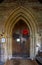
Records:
x=24, y=13
x=27, y=16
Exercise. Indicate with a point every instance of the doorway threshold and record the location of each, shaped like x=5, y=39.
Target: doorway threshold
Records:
x=21, y=58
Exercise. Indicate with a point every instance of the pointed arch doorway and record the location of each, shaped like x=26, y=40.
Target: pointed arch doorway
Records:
x=21, y=40
x=28, y=19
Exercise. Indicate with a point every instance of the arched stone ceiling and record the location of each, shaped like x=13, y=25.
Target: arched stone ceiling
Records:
x=19, y=0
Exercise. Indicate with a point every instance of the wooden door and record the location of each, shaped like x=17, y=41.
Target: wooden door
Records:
x=21, y=40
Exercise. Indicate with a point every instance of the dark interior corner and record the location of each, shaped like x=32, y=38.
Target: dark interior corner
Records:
x=40, y=1
x=1, y=1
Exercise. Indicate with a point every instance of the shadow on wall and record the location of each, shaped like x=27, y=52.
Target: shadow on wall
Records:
x=40, y=1
x=1, y=1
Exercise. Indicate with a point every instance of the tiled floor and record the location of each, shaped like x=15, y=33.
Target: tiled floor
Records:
x=21, y=62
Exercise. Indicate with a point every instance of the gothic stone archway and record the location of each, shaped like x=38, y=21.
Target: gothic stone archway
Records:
x=27, y=16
